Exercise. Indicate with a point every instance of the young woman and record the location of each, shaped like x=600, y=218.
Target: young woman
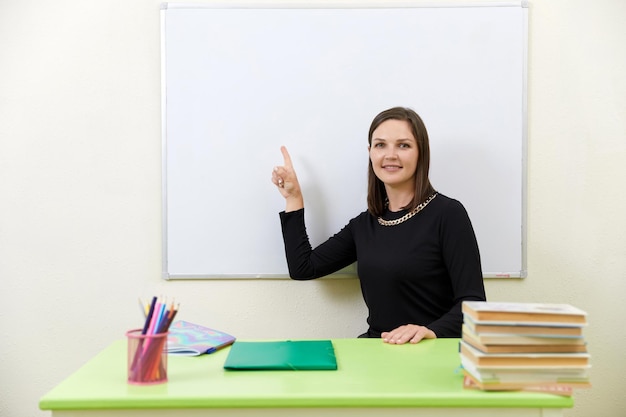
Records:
x=416, y=251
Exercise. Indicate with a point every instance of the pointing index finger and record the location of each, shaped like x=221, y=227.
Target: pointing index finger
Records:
x=286, y=157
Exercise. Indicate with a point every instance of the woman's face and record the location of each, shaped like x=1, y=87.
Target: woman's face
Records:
x=394, y=153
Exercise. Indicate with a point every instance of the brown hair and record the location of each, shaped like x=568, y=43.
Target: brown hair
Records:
x=376, y=193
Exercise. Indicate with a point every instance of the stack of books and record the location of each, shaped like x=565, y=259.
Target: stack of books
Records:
x=524, y=346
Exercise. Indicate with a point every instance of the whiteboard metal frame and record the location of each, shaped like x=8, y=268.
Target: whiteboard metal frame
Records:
x=339, y=4
x=349, y=272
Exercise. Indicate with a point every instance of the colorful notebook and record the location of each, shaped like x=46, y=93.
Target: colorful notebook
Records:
x=188, y=339
x=282, y=355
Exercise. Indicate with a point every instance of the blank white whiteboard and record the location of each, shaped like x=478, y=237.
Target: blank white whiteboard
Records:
x=241, y=79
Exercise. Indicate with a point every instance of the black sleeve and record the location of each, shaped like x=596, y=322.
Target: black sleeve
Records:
x=462, y=259
x=307, y=263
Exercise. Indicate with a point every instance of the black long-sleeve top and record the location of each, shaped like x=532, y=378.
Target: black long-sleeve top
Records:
x=416, y=272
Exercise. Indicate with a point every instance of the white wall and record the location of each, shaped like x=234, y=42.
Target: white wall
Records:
x=80, y=195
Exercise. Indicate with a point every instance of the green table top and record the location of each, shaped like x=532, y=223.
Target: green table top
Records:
x=370, y=374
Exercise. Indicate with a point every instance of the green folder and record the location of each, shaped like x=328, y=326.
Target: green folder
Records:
x=285, y=355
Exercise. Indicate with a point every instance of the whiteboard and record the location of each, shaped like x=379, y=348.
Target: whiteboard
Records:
x=241, y=79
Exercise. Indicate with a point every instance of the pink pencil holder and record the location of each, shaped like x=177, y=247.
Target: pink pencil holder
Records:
x=147, y=358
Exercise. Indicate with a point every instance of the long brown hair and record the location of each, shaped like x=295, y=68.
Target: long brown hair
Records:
x=376, y=193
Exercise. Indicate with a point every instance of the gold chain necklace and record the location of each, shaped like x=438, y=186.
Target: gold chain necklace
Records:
x=410, y=214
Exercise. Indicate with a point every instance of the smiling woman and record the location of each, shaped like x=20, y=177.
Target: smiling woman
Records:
x=399, y=146
x=393, y=156
x=416, y=250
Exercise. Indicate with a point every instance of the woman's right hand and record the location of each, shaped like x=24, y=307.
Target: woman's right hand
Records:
x=285, y=179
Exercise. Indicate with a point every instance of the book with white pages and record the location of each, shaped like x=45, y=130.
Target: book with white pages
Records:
x=494, y=327
x=524, y=313
x=519, y=339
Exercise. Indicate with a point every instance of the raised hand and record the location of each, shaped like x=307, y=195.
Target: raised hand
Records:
x=285, y=179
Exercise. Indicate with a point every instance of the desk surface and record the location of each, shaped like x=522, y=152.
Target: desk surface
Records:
x=371, y=374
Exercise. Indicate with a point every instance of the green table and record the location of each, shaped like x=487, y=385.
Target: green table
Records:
x=373, y=379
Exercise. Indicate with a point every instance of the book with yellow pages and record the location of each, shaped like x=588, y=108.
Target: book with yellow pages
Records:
x=523, y=359
x=550, y=387
x=516, y=378
x=520, y=339
x=511, y=344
